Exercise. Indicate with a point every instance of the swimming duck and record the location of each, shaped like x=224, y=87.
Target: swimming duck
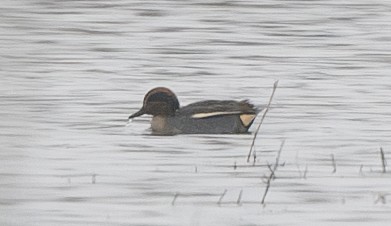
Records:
x=204, y=117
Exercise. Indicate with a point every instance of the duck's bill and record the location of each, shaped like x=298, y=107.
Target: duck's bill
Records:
x=137, y=114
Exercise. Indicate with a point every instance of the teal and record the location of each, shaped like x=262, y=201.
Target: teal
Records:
x=204, y=117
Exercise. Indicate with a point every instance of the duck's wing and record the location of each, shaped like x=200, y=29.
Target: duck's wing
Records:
x=245, y=111
x=213, y=108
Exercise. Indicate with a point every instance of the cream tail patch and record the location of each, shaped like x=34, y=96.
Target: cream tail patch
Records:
x=247, y=119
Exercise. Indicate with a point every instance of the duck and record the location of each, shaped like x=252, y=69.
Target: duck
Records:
x=203, y=117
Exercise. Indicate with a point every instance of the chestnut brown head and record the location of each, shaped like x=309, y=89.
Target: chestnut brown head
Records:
x=158, y=101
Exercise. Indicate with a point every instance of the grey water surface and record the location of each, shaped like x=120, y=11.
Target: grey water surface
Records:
x=73, y=71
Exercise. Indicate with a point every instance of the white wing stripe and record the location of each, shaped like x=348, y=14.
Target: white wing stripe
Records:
x=210, y=114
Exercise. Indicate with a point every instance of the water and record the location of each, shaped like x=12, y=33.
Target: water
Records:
x=73, y=71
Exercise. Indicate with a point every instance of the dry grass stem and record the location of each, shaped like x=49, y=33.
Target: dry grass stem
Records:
x=361, y=170
x=174, y=199
x=272, y=172
x=93, y=178
x=254, y=157
x=263, y=117
x=305, y=172
x=334, y=163
x=383, y=160
x=381, y=198
x=240, y=197
x=222, y=196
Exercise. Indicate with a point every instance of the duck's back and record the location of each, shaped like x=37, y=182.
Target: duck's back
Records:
x=214, y=116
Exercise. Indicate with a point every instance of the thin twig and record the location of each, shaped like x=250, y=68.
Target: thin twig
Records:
x=361, y=170
x=381, y=197
x=272, y=173
x=174, y=199
x=263, y=117
x=334, y=163
x=305, y=172
x=93, y=178
x=254, y=157
x=278, y=156
x=240, y=197
x=264, y=179
x=221, y=197
x=383, y=160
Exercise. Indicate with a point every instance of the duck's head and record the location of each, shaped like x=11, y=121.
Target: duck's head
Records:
x=158, y=101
